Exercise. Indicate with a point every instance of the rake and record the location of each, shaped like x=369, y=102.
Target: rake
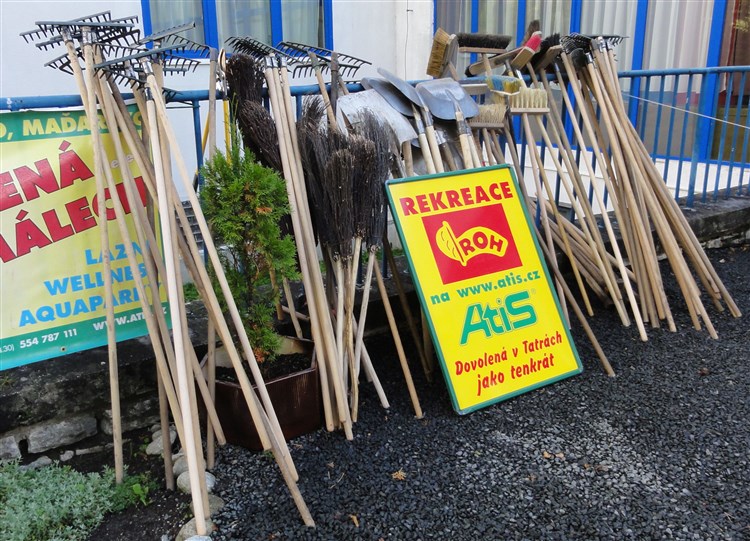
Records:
x=254, y=48
x=185, y=363
x=268, y=418
x=166, y=33
x=348, y=65
x=127, y=35
x=41, y=31
x=83, y=29
x=92, y=89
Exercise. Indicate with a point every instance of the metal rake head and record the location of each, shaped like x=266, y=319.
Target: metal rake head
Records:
x=187, y=45
x=100, y=32
x=120, y=31
x=253, y=48
x=169, y=94
x=575, y=41
x=180, y=65
x=348, y=65
x=125, y=37
x=590, y=41
x=167, y=32
x=609, y=41
x=304, y=62
x=62, y=63
x=44, y=30
x=126, y=75
x=128, y=65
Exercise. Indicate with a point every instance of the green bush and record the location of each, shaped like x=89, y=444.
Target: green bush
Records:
x=243, y=202
x=57, y=503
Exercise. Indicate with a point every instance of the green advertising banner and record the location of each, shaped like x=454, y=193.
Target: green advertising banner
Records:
x=51, y=281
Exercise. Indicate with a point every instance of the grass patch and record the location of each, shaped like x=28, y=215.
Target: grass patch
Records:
x=57, y=503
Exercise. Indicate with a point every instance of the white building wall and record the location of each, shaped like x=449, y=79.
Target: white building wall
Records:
x=394, y=34
x=22, y=71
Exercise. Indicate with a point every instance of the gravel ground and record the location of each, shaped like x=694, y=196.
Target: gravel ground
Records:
x=658, y=452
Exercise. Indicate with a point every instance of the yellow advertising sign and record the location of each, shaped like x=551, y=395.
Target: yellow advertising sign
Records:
x=494, y=317
x=51, y=270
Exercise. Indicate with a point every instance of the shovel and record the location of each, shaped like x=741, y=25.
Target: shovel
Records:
x=407, y=91
x=403, y=105
x=448, y=100
x=351, y=107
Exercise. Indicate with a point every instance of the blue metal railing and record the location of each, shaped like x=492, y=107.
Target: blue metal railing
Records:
x=712, y=124
x=708, y=160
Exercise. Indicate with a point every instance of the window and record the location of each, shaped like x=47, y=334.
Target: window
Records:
x=452, y=16
x=615, y=17
x=244, y=18
x=660, y=33
x=678, y=34
x=269, y=21
x=498, y=17
x=553, y=15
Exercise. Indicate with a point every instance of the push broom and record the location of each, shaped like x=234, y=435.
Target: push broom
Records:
x=565, y=181
x=588, y=222
x=320, y=316
x=529, y=102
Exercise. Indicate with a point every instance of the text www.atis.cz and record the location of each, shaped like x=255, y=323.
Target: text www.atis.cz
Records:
x=507, y=280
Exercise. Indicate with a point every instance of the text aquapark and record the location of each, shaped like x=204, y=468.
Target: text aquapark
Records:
x=494, y=317
x=50, y=238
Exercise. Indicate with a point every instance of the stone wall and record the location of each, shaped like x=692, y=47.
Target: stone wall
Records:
x=59, y=402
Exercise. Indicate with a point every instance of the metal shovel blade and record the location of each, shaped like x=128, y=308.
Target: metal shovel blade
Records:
x=354, y=105
x=390, y=93
x=408, y=91
x=443, y=95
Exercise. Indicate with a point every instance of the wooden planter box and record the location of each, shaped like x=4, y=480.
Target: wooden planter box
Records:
x=296, y=399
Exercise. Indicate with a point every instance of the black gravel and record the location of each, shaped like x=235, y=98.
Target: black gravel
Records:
x=658, y=452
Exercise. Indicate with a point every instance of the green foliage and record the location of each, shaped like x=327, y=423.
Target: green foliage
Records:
x=190, y=292
x=141, y=492
x=57, y=503
x=133, y=490
x=243, y=202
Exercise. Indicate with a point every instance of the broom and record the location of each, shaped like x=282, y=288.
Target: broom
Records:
x=317, y=145
x=369, y=205
x=532, y=101
x=441, y=61
x=588, y=222
x=245, y=78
